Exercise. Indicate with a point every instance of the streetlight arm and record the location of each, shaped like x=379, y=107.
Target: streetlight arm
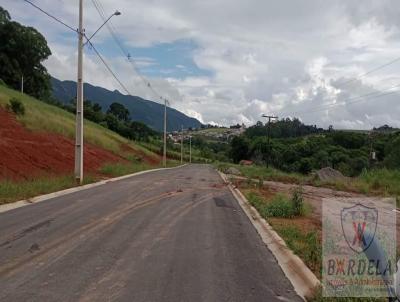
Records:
x=117, y=13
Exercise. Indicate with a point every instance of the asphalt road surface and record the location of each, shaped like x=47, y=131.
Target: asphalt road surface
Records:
x=173, y=235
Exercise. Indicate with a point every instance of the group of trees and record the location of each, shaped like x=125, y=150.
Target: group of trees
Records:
x=282, y=129
x=295, y=147
x=22, y=51
x=116, y=118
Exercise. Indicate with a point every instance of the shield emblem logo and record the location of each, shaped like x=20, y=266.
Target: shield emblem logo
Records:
x=359, y=226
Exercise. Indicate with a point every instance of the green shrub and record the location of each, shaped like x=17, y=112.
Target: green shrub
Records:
x=2, y=83
x=298, y=201
x=280, y=206
x=16, y=106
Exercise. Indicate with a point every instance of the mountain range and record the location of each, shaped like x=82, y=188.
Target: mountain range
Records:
x=145, y=111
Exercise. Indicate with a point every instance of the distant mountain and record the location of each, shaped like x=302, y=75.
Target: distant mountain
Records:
x=148, y=112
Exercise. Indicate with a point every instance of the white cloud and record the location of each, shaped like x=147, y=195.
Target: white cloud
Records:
x=283, y=57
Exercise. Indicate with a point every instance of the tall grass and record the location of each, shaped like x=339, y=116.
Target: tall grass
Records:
x=280, y=205
x=119, y=169
x=11, y=191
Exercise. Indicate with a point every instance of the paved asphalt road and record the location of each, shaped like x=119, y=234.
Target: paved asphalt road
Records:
x=173, y=235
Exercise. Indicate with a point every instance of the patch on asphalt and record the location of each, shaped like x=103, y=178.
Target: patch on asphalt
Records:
x=26, y=231
x=34, y=248
x=221, y=203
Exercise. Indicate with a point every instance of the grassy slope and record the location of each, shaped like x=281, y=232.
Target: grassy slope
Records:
x=40, y=116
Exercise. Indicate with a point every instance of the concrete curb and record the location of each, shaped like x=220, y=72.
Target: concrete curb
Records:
x=301, y=277
x=37, y=199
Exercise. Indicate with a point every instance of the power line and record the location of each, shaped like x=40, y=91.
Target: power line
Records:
x=368, y=95
x=369, y=72
x=90, y=43
x=98, y=6
x=350, y=103
x=108, y=67
x=51, y=16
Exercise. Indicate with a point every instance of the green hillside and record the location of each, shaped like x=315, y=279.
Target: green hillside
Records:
x=41, y=116
x=141, y=110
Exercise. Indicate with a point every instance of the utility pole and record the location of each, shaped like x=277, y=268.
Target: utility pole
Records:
x=22, y=84
x=165, y=134
x=182, y=145
x=270, y=118
x=372, y=153
x=79, y=103
x=190, y=149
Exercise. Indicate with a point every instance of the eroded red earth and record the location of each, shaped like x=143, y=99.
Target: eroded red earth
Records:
x=26, y=154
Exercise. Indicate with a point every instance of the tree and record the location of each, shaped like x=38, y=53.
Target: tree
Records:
x=392, y=160
x=22, y=51
x=239, y=149
x=4, y=16
x=112, y=122
x=119, y=111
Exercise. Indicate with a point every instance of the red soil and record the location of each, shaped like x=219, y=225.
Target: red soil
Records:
x=26, y=154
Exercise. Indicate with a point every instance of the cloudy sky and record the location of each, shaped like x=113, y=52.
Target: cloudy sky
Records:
x=229, y=61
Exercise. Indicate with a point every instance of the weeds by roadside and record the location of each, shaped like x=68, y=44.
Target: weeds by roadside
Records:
x=280, y=205
x=12, y=191
x=288, y=216
x=119, y=169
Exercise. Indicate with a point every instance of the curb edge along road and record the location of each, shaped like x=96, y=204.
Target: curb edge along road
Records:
x=302, y=278
x=26, y=202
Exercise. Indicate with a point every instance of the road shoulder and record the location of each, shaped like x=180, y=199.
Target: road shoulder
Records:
x=301, y=277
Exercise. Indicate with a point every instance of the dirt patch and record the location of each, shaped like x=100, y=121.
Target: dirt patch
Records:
x=25, y=154
x=329, y=174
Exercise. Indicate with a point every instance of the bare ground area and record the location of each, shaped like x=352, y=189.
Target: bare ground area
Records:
x=25, y=154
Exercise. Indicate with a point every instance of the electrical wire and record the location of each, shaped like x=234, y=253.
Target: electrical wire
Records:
x=90, y=43
x=100, y=9
x=51, y=16
x=368, y=95
x=108, y=67
x=369, y=72
x=349, y=103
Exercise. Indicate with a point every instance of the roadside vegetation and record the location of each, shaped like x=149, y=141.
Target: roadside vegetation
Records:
x=290, y=217
x=293, y=218
x=382, y=182
x=11, y=191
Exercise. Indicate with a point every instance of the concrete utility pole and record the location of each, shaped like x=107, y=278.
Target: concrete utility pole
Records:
x=79, y=97
x=165, y=134
x=182, y=145
x=190, y=149
x=22, y=84
x=270, y=118
x=79, y=103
